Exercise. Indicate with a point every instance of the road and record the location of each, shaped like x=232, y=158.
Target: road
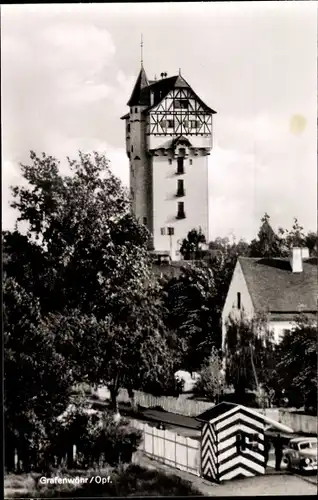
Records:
x=273, y=483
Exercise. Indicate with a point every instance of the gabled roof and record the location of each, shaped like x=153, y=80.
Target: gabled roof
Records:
x=274, y=288
x=160, y=89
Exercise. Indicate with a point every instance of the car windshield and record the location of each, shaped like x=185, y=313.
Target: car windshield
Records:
x=307, y=444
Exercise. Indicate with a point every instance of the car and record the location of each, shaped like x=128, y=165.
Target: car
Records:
x=301, y=454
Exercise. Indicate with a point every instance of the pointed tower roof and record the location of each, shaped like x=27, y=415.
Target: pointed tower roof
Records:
x=141, y=83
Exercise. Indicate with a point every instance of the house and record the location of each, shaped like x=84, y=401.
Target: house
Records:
x=280, y=288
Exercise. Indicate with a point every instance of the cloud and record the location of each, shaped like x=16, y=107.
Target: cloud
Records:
x=68, y=72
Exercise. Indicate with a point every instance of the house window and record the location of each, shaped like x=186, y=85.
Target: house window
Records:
x=128, y=127
x=180, y=190
x=180, y=214
x=190, y=162
x=181, y=104
x=162, y=231
x=170, y=123
x=144, y=220
x=238, y=300
x=170, y=231
x=136, y=110
x=170, y=162
x=180, y=165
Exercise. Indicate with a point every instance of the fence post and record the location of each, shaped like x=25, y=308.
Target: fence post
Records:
x=175, y=450
x=187, y=454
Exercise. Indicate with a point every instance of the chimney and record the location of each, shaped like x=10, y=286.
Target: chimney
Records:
x=296, y=260
x=152, y=98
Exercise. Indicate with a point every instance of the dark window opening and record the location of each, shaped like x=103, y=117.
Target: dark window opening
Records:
x=132, y=194
x=190, y=162
x=170, y=231
x=144, y=220
x=180, y=214
x=162, y=231
x=180, y=190
x=238, y=300
x=136, y=110
x=194, y=124
x=132, y=149
x=180, y=165
x=181, y=104
x=170, y=162
x=128, y=127
x=170, y=123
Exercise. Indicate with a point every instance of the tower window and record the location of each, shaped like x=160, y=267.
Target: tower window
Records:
x=180, y=190
x=238, y=300
x=128, y=127
x=132, y=149
x=170, y=161
x=180, y=214
x=132, y=194
x=136, y=110
x=162, y=231
x=180, y=165
x=144, y=220
x=190, y=162
x=181, y=104
x=170, y=231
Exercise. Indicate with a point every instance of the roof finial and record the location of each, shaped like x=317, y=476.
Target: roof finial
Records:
x=180, y=71
x=141, y=50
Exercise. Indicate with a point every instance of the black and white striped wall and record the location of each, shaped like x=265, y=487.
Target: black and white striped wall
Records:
x=232, y=442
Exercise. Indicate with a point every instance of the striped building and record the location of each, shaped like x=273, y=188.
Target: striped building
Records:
x=232, y=442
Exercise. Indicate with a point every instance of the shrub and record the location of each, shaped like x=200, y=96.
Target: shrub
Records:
x=131, y=481
x=211, y=381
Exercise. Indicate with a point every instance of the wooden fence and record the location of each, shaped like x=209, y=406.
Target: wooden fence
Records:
x=180, y=405
x=169, y=448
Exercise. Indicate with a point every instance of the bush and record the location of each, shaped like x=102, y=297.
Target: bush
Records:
x=98, y=439
x=132, y=481
x=211, y=381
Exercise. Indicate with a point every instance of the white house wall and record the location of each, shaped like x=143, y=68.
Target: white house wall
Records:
x=278, y=327
x=237, y=285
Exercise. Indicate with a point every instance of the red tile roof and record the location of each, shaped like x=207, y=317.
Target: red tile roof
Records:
x=276, y=289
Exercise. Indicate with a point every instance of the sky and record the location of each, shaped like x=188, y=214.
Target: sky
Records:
x=68, y=71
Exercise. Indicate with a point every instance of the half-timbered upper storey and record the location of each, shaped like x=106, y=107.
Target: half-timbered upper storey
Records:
x=171, y=108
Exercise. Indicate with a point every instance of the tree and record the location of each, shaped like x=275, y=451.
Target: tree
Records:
x=85, y=257
x=38, y=374
x=248, y=352
x=211, y=381
x=191, y=246
x=190, y=302
x=296, y=370
x=267, y=244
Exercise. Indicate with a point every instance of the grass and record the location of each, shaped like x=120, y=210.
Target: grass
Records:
x=129, y=481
